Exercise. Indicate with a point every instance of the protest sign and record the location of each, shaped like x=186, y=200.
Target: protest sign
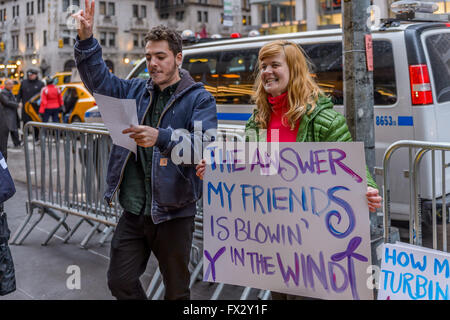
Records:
x=410, y=272
x=288, y=217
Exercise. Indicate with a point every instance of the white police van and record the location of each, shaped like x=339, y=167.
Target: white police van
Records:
x=411, y=80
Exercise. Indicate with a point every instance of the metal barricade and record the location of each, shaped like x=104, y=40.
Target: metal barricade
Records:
x=420, y=148
x=66, y=170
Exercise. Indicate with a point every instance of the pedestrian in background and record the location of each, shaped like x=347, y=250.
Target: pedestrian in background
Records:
x=28, y=88
x=10, y=105
x=290, y=103
x=158, y=197
x=51, y=102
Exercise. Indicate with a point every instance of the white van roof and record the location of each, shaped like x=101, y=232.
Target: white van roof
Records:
x=296, y=35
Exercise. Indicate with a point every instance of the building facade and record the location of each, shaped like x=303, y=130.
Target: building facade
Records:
x=41, y=34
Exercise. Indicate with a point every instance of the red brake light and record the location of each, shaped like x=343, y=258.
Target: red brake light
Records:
x=448, y=25
x=420, y=84
x=235, y=35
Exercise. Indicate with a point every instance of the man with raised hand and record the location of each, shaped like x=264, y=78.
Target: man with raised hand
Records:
x=158, y=196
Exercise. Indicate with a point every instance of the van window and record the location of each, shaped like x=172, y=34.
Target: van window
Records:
x=236, y=76
x=203, y=67
x=326, y=59
x=438, y=46
x=141, y=72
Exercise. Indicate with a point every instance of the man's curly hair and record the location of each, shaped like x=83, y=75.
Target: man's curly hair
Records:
x=161, y=32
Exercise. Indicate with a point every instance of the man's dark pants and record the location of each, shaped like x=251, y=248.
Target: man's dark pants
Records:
x=135, y=238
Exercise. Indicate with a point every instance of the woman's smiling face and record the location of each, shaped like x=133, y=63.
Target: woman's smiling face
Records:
x=275, y=74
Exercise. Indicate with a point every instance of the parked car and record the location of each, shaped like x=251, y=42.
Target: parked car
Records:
x=411, y=81
x=76, y=98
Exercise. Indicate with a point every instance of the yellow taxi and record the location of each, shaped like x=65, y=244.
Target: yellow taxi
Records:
x=61, y=78
x=16, y=87
x=76, y=98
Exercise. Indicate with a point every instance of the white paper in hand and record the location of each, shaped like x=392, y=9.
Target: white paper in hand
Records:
x=118, y=115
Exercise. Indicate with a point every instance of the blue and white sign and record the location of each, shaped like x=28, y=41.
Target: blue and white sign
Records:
x=410, y=272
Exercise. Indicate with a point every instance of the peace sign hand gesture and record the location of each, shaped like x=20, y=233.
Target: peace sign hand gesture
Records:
x=86, y=20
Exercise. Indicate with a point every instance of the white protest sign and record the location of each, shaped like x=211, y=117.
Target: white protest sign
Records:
x=288, y=217
x=410, y=272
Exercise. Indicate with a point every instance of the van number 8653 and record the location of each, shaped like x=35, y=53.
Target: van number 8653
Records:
x=385, y=121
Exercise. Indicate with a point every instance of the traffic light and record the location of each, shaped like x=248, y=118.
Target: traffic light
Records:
x=60, y=43
x=2, y=46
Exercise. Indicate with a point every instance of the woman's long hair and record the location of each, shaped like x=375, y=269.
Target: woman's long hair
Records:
x=302, y=89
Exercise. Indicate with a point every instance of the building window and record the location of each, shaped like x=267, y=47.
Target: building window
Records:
x=2, y=15
x=205, y=16
x=45, y=38
x=15, y=42
x=164, y=16
x=199, y=16
x=107, y=8
x=102, y=8
x=135, y=11
x=111, y=9
x=179, y=15
x=112, y=39
x=30, y=8
x=41, y=6
x=68, y=3
x=15, y=11
x=143, y=12
x=30, y=40
x=66, y=38
x=136, y=40
x=103, y=38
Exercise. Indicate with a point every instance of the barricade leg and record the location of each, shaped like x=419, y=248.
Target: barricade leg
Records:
x=22, y=226
x=264, y=295
x=217, y=292
x=107, y=232
x=196, y=272
x=245, y=293
x=59, y=224
x=74, y=229
x=89, y=235
x=32, y=226
x=159, y=292
x=55, y=216
x=153, y=283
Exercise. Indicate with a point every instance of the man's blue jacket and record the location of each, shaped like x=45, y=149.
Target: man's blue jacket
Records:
x=175, y=188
